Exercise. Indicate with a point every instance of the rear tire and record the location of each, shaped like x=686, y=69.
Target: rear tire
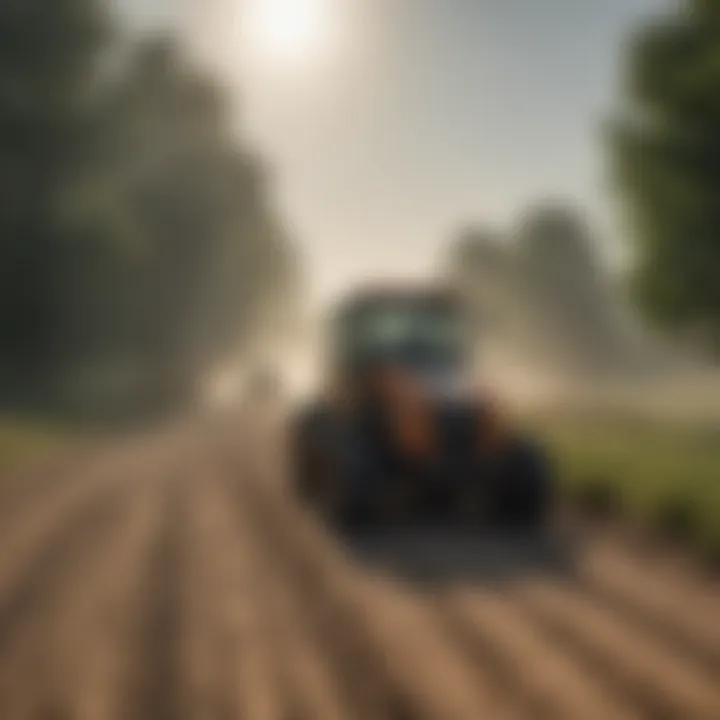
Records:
x=313, y=459
x=523, y=488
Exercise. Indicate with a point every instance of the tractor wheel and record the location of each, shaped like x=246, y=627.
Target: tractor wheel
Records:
x=523, y=488
x=314, y=465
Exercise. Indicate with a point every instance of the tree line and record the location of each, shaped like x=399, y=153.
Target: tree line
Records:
x=139, y=242
x=540, y=294
x=663, y=145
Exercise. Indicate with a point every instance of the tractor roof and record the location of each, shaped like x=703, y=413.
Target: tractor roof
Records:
x=378, y=293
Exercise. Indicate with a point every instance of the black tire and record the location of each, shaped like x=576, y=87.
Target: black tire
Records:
x=318, y=473
x=309, y=459
x=523, y=488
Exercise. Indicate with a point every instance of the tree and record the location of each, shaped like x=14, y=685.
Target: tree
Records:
x=542, y=296
x=481, y=266
x=666, y=152
x=211, y=252
x=138, y=237
x=574, y=310
x=48, y=56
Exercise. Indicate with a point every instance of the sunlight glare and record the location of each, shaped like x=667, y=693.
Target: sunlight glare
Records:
x=286, y=31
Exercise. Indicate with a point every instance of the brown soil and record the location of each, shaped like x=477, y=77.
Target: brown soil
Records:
x=173, y=577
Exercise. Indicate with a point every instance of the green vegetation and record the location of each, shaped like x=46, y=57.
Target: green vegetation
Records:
x=139, y=243
x=662, y=477
x=667, y=160
x=22, y=444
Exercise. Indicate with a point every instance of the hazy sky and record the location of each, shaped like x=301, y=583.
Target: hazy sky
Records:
x=413, y=117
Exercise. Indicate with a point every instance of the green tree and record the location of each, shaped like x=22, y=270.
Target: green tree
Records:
x=49, y=53
x=666, y=149
x=138, y=237
x=210, y=252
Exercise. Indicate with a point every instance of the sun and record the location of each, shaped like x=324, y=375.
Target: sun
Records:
x=286, y=31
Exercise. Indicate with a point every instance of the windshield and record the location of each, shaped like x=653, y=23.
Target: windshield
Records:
x=408, y=332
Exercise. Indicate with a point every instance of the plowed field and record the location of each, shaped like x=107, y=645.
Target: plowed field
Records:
x=172, y=577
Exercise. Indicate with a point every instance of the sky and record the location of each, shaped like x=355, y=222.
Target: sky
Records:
x=405, y=120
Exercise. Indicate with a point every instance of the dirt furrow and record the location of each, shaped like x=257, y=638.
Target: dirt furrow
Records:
x=29, y=619
x=683, y=616
x=21, y=490
x=305, y=575
x=636, y=663
x=548, y=682
x=429, y=675
x=428, y=667
x=153, y=682
x=39, y=556
x=229, y=650
x=88, y=632
x=304, y=663
x=24, y=535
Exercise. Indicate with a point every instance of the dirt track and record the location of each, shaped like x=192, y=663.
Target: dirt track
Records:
x=171, y=578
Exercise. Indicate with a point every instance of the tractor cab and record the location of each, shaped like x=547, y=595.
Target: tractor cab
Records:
x=416, y=334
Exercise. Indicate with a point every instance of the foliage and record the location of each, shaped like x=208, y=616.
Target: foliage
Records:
x=546, y=293
x=666, y=148
x=660, y=475
x=138, y=241
x=47, y=53
x=560, y=264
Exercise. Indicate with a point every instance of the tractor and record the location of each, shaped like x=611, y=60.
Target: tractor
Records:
x=400, y=435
